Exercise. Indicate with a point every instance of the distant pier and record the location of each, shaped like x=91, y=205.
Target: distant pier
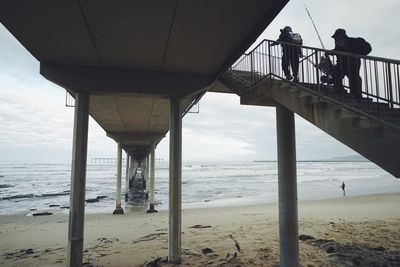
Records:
x=113, y=160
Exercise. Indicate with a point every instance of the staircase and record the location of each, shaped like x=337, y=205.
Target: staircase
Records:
x=370, y=126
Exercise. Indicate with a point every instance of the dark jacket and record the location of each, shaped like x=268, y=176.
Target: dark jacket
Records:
x=286, y=49
x=352, y=46
x=284, y=37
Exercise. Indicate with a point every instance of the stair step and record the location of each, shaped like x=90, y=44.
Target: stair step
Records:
x=359, y=122
x=381, y=134
x=238, y=82
x=289, y=87
x=342, y=113
x=292, y=89
x=310, y=99
x=393, y=112
x=319, y=105
x=305, y=94
x=367, y=135
x=375, y=105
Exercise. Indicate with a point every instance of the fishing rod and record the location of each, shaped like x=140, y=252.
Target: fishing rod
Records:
x=325, y=65
x=315, y=27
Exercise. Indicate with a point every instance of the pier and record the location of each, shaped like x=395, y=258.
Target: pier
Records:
x=105, y=160
x=137, y=68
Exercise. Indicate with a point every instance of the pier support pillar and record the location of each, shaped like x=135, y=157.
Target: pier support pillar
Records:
x=287, y=183
x=147, y=173
x=127, y=176
x=78, y=180
x=130, y=173
x=175, y=181
x=118, y=208
x=134, y=166
x=152, y=174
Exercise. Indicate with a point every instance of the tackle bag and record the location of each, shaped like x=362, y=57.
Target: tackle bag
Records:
x=363, y=47
x=296, y=38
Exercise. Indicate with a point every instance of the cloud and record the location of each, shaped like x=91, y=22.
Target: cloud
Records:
x=35, y=124
x=15, y=59
x=215, y=147
x=373, y=20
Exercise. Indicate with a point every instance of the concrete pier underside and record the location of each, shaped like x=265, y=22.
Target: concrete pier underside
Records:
x=130, y=57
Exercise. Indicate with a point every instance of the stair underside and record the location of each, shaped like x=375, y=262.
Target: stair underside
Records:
x=364, y=134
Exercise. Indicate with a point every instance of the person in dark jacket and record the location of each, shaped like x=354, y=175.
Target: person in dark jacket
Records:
x=347, y=65
x=343, y=186
x=290, y=54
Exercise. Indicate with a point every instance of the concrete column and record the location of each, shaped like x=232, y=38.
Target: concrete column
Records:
x=147, y=173
x=132, y=174
x=175, y=181
x=127, y=177
x=78, y=180
x=287, y=183
x=118, y=208
x=133, y=165
x=152, y=174
x=129, y=171
x=145, y=165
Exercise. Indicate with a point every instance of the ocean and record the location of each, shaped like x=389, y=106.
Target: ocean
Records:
x=30, y=188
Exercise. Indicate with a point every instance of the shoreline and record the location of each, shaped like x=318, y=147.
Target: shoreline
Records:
x=136, y=238
x=211, y=205
x=216, y=204
x=204, y=186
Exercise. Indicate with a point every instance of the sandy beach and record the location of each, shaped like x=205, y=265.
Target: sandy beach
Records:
x=349, y=231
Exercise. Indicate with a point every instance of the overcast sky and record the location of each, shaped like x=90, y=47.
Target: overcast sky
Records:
x=36, y=126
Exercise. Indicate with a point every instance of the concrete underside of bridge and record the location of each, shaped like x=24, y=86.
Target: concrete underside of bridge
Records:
x=158, y=48
x=135, y=121
x=124, y=61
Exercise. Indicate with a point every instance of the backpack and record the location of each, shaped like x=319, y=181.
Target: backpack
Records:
x=363, y=47
x=296, y=38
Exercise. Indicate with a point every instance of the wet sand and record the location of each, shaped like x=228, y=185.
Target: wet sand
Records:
x=350, y=231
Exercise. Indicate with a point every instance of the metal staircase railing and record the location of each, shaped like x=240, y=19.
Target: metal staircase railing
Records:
x=194, y=106
x=380, y=77
x=69, y=100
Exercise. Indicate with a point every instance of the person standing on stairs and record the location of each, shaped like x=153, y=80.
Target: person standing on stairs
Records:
x=347, y=65
x=290, y=53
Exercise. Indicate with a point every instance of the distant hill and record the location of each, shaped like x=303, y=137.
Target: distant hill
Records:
x=349, y=158
x=352, y=158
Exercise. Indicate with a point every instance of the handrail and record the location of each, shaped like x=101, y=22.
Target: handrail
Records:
x=194, y=102
x=378, y=80
x=382, y=59
x=69, y=99
x=386, y=60
x=307, y=57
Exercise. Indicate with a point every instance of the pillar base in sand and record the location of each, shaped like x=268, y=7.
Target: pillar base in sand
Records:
x=151, y=209
x=118, y=210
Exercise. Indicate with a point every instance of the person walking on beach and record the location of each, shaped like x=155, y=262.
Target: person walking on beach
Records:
x=343, y=188
x=347, y=65
x=290, y=54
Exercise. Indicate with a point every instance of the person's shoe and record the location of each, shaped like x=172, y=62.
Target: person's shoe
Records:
x=289, y=77
x=324, y=79
x=295, y=79
x=358, y=97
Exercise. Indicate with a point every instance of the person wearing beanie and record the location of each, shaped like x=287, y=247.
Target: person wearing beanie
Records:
x=347, y=65
x=290, y=54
